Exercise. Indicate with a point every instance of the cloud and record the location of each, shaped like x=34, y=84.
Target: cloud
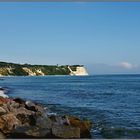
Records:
x=123, y=67
x=127, y=65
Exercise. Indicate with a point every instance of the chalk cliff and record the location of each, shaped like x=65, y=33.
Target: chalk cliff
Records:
x=80, y=70
x=12, y=69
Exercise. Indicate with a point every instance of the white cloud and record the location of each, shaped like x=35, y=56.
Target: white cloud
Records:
x=127, y=65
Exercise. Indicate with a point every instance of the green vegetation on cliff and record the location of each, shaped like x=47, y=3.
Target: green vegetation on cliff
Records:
x=12, y=69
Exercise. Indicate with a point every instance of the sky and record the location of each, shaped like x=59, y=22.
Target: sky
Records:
x=105, y=37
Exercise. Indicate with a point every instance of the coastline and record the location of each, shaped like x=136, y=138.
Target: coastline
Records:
x=14, y=69
x=63, y=95
x=26, y=119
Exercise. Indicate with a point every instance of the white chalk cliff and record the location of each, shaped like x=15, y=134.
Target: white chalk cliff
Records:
x=80, y=70
x=35, y=73
x=8, y=69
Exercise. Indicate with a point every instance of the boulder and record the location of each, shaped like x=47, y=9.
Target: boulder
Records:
x=4, y=100
x=66, y=132
x=84, y=126
x=8, y=122
x=34, y=107
x=5, y=107
x=44, y=122
x=38, y=132
x=14, y=104
x=19, y=100
x=11, y=106
x=21, y=110
x=39, y=109
x=62, y=120
x=40, y=129
x=2, y=136
x=2, y=111
x=19, y=132
x=30, y=106
x=25, y=119
x=30, y=132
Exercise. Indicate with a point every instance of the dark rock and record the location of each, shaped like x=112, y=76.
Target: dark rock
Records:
x=38, y=132
x=84, y=126
x=44, y=122
x=30, y=106
x=2, y=136
x=21, y=110
x=30, y=132
x=24, y=119
x=62, y=120
x=18, y=100
x=66, y=132
x=41, y=128
x=53, y=118
x=39, y=109
x=25, y=116
x=32, y=120
x=20, y=132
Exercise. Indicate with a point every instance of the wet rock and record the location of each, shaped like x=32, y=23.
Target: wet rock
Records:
x=39, y=109
x=38, y=132
x=44, y=122
x=8, y=122
x=25, y=119
x=39, y=128
x=25, y=116
x=84, y=126
x=2, y=111
x=53, y=118
x=30, y=132
x=64, y=131
x=19, y=132
x=62, y=120
x=22, y=110
x=19, y=100
x=65, y=120
x=30, y=106
x=2, y=136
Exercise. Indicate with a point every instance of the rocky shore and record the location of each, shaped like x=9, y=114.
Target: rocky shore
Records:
x=25, y=119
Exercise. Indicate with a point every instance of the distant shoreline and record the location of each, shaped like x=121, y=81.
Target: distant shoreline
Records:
x=13, y=69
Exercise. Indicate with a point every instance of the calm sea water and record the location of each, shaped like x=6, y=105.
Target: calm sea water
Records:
x=112, y=102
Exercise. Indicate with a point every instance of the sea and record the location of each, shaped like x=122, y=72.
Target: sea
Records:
x=111, y=102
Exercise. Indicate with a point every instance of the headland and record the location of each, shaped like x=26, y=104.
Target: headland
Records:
x=13, y=69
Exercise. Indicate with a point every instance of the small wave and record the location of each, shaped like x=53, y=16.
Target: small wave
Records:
x=3, y=92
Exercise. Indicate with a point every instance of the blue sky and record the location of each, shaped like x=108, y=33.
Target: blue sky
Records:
x=103, y=36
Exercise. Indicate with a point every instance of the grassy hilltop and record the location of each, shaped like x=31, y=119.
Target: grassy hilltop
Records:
x=13, y=69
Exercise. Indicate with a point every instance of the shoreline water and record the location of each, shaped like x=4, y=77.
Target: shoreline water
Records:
x=25, y=119
x=111, y=102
